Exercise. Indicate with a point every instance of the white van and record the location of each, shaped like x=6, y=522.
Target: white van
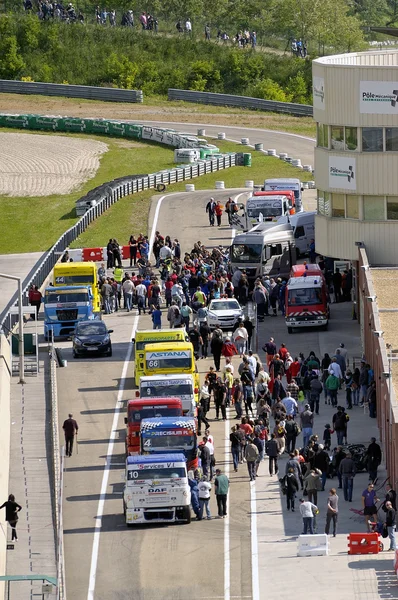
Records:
x=171, y=386
x=295, y=185
x=303, y=224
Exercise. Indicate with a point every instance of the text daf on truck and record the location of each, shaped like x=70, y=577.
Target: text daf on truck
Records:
x=156, y=489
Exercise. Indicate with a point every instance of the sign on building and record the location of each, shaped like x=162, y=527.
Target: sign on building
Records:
x=378, y=97
x=342, y=172
x=318, y=92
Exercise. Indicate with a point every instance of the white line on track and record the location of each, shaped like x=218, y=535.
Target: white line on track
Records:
x=254, y=542
x=227, y=558
x=107, y=468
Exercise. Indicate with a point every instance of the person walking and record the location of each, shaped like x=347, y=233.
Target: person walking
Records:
x=270, y=350
x=204, y=489
x=332, y=512
x=308, y=511
x=339, y=421
x=12, y=510
x=205, y=332
x=311, y=484
x=205, y=457
x=307, y=424
x=235, y=438
x=347, y=470
x=240, y=338
x=221, y=484
x=216, y=345
x=391, y=524
x=373, y=459
x=272, y=451
x=291, y=486
x=220, y=398
x=251, y=455
x=369, y=499
x=70, y=428
x=321, y=461
x=316, y=389
x=211, y=211
x=157, y=318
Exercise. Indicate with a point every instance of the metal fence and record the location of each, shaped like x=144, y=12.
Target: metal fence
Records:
x=58, y=459
x=298, y=110
x=71, y=91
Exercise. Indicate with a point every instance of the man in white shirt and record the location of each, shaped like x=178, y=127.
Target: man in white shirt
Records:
x=141, y=295
x=188, y=26
x=252, y=363
x=165, y=252
x=290, y=404
x=228, y=363
x=177, y=294
x=204, y=488
x=334, y=369
x=308, y=512
x=128, y=289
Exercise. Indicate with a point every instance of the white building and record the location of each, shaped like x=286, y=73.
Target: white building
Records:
x=356, y=158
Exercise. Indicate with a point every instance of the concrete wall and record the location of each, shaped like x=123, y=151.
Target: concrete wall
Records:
x=5, y=388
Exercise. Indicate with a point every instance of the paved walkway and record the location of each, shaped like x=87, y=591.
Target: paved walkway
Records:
x=18, y=265
x=30, y=483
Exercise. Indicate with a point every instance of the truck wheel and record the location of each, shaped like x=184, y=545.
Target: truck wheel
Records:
x=290, y=329
x=187, y=514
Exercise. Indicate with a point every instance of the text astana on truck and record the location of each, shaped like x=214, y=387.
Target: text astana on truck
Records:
x=152, y=336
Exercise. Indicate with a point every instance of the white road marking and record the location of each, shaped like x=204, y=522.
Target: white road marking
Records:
x=227, y=558
x=107, y=468
x=254, y=542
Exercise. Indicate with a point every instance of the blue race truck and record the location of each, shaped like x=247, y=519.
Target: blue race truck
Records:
x=64, y=307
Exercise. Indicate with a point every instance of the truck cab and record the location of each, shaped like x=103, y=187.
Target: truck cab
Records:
x=152, y=336
x=169, y=435
x=145, y=408
x=306, y=303
x=64, y=307
x=171, y=386
x=292, y=184
x=156, y=489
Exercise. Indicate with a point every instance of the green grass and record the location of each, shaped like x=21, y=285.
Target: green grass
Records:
x=33, y=224
x=130, y=214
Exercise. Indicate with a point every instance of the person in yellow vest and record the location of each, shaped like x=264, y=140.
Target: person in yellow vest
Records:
x=118, y=277
x=198, y=299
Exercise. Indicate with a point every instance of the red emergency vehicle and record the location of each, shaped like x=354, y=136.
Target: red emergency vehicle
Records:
x=306, y=269
x=147, y=408
x=306, y=302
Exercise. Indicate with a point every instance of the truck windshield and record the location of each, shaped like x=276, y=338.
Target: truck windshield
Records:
x=141, y=345
x=168, y=390
x=74, y=279
x=246, y=253
x=305, y=296
x=169, y=360
x=265, y=210
x=165, y=441
x=54, y=298
x=156, y=474
x=147, y=412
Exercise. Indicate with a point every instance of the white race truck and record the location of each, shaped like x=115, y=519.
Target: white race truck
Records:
x=156, y=489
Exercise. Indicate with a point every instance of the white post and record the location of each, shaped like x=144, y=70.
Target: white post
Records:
x=21, y=340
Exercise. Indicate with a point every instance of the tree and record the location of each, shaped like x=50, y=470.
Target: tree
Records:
x=268, y=90
x=11, y=63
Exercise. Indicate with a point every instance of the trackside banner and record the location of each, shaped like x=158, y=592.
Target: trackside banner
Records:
x=378, y=97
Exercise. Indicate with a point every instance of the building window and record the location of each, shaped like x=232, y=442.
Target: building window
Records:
x=373, y=208
x=372, y=139
x=337, y=137
x=352, y=206
x=392, y=139
x=338, y=209
x=351, y=138
x=322, y=135
x=321, y=203
x=327, y=204
x=392, y=208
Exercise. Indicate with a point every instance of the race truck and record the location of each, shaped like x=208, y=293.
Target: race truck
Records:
x=168, y=435
x=156, y=489
x=64, y=307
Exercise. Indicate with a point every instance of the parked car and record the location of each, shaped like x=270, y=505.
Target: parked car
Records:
x=91, y=337
x=224, y=313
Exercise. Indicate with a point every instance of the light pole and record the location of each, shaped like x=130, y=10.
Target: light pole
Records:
x=20, y=316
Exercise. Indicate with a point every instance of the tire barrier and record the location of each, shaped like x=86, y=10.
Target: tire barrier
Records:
x=98, y=200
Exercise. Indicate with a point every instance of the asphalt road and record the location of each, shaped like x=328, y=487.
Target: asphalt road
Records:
x=105, y=560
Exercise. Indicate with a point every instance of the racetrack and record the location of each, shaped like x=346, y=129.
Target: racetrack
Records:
x=44, y=165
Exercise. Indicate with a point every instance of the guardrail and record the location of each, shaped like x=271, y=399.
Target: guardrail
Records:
x=298, y=110
x=103, y=197
x=71, y=91
x=58, y=456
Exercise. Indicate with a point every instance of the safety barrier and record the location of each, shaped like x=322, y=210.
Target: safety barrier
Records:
x=363, y=543
x=91, y=206
x=298, y=110
x=396, y=563
x=58, y=456
x=313, y=545
x=70, y=91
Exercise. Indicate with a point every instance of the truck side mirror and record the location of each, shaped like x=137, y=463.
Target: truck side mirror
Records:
x=125, y=420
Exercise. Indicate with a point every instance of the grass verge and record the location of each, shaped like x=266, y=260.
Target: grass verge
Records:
x=130, y=215
x=32, y=224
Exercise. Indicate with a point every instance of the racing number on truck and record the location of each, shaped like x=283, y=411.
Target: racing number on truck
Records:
x=153, y=364
x=147, y=443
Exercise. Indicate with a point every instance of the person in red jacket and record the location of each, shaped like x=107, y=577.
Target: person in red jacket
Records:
x=283, y=352
x=218, y=211
x=228, y=348
x=295, y=368
x=35, y=299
